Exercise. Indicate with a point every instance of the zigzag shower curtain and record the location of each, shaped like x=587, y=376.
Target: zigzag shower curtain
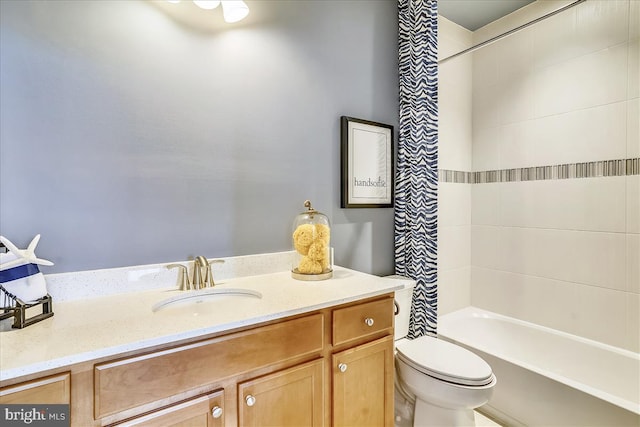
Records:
x=416, y=207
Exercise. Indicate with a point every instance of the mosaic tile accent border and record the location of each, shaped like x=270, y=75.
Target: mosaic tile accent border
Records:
x=596, y=169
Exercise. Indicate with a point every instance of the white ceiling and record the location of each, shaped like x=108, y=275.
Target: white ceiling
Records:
x=473, y=14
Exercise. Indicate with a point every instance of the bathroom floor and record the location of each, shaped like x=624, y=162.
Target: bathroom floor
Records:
x=482, y=421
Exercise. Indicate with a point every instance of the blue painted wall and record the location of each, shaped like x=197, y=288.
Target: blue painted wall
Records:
x=134, y=134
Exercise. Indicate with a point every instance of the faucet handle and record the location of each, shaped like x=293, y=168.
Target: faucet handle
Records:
x=208, y=280
x=183, y=277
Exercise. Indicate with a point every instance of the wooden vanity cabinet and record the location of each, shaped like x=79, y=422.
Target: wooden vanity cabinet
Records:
x=131, y=382
x=330, y=367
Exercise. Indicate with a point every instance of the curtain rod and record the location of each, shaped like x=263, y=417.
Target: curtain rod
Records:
x=505, y=34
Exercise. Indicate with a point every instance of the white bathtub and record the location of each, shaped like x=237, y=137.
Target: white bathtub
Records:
x=547, y=377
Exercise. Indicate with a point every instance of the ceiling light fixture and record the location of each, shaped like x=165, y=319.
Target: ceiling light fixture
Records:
x=232, y=10
x=207, y=4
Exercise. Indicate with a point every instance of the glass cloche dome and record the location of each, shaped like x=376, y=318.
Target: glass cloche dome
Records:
x=311, y=245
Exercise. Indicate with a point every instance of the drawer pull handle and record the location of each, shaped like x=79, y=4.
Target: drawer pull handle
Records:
x=342, y=367
x=368, y=321
x=216, y=412
x=250, y=400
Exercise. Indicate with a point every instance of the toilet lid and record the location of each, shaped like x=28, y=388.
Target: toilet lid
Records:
x=446, y=361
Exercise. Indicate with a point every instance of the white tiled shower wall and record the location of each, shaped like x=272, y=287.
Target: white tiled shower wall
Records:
x=454, y=153
x=564, y=253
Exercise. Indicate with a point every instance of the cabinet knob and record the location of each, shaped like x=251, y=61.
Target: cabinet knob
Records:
x=368, y=321
x=250, y=400
x=216, y=412
x=342, y=367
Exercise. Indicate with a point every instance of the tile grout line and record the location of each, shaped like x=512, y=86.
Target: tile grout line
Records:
x=595, y=169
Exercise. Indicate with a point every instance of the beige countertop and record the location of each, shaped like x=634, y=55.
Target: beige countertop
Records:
x=91, y=328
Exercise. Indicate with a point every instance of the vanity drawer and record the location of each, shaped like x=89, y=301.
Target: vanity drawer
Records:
x=50, y=390
x=193, y=413
x=361, y=320
x=131, y=382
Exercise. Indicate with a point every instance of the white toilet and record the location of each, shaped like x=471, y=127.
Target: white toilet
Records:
x=444, y=381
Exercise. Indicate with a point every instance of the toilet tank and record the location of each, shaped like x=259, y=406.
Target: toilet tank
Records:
x=403, y=299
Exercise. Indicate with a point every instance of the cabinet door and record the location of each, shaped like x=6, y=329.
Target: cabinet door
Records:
x=203, y=411
x=51, y=390
x=293, y=397
x=363, y=385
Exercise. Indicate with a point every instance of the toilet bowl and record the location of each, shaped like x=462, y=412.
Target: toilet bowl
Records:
x=445, y=381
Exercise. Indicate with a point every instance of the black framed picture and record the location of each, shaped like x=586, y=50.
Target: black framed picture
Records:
x=366, y=164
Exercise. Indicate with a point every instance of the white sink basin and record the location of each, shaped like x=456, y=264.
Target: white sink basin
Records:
x=200, y=299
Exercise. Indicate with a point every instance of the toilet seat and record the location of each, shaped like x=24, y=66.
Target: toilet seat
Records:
x=445, y=361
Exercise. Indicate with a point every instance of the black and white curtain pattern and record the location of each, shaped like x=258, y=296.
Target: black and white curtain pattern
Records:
x=416, y=207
